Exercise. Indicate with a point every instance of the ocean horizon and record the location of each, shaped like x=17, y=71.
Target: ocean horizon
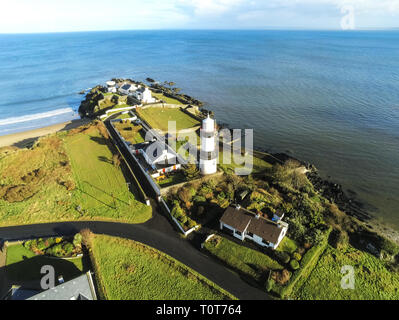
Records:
x=327, y=97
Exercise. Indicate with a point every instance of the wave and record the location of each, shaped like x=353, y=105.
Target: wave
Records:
x=36, y=116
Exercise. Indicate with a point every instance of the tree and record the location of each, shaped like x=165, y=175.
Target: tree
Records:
x=116, y=160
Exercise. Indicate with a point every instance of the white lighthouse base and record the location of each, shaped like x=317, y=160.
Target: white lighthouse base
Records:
x=208, y=166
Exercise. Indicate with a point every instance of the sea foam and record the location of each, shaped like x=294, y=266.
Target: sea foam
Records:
x=36, y=116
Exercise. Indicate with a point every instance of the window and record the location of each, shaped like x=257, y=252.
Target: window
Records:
x=250, y=234
x=238, y=233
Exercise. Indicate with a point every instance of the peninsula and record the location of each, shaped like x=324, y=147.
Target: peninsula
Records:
x=153, y=186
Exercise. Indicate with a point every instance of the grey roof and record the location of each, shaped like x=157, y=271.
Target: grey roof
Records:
x=242, y=219
x=237, y=218
x=80, y=288
x=265, y=229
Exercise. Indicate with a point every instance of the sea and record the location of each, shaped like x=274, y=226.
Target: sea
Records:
x=327, y=97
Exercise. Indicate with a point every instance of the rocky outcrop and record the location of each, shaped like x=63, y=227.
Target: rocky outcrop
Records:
x=168, y=92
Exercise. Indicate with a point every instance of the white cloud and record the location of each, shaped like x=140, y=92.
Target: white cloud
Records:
x=75, y=15
x=211, y=7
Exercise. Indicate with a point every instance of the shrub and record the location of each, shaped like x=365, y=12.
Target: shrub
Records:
x=28, y=244
x=294, y=264
x=69, y=185
x=281, y=277
x=269, y=285
x=116, y=160
x=68, y=248
x=191, y=224
x=77, y=240
x=388, y=246
x=296, y=256
x=282, y=257
x=339, y=239
x=199, y=198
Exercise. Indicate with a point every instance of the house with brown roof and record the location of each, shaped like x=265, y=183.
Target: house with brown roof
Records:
x=244, y=224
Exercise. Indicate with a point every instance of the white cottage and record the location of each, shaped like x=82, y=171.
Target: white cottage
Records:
x=144, y=95
x=244, y=224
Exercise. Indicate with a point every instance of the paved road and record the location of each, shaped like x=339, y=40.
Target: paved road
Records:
x=156, y=233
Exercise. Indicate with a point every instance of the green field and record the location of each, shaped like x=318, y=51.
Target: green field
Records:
x=130, y=132
x=128, y=270
x=158, y=118
x=101, y=189
x=372, y=278
x=257, y=164
x=22, y=265
x=167, y=100
x=246, y=261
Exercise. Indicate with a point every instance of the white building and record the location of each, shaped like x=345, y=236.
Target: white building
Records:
x=158, y=157
x=244, y=224
x=144, y=95
x=208, y=155
x=111, y=86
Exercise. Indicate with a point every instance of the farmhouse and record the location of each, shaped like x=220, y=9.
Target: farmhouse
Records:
x=244, y=224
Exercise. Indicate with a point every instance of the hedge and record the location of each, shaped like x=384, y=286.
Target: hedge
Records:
x=307, y=264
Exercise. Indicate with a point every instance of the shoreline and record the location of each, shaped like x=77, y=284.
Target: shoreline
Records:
x=25, y=138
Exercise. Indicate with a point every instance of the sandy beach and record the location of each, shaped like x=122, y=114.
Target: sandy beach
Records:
x=25, y=138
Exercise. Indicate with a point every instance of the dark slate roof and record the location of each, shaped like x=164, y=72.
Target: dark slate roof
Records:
x=239, y=218
x=265, y=229
x=126, y=87
x=236, y=218
x=18, y=293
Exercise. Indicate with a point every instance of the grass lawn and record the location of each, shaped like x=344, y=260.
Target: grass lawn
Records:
x=158, y=118
x=101, y=189
x=60, y=173
x=249, y=262
x=128, y=270
x=22, y=265
x=167, y=100
x=258, y=164
x=130, y=132
x=175, y=178
x=372, y=279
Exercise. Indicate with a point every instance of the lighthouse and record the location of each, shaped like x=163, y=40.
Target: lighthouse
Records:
x=208, y=155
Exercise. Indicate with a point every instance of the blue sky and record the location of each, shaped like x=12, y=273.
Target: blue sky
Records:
x=22, y=16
